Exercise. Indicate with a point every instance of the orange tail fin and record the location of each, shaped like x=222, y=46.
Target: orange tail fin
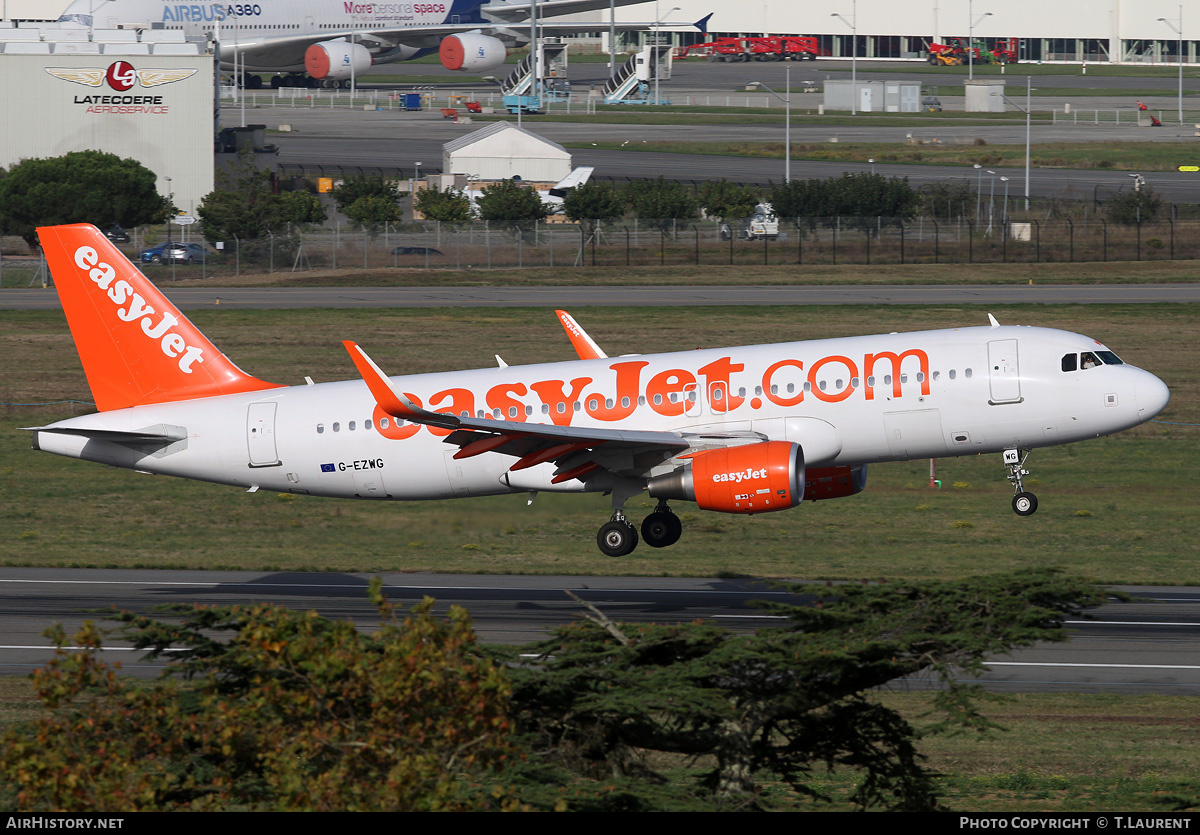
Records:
x=136, y=347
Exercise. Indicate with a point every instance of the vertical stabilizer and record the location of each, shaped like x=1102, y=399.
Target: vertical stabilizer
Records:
x=136, y=347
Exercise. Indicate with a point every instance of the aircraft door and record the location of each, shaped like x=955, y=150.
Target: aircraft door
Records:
x=260, y=435
x=1003, y=372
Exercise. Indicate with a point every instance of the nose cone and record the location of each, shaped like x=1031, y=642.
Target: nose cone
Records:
x=1151, y=394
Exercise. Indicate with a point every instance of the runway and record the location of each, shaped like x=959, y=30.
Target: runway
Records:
x=1147, y=646
x=196, y=298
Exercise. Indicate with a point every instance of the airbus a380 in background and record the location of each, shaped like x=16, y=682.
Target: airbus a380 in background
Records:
x=739, y=430
x=314, y=36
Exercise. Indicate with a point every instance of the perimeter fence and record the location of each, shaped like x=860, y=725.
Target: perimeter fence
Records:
x=680, y=243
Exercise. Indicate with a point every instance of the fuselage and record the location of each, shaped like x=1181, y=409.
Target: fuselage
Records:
x=845, y=401
x=269, y=34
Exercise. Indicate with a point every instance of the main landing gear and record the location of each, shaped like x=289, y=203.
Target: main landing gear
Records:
x=1023, y=503
x=619, y=537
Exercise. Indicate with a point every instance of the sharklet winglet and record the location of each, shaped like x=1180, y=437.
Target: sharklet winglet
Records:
x=391, y=400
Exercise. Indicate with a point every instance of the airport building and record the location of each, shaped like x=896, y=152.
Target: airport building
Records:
x=1112, y=31
x=146, y=95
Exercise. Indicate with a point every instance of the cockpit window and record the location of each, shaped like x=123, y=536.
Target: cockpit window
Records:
x=1070, y=362
x=1109, y=358
x=1088, y=360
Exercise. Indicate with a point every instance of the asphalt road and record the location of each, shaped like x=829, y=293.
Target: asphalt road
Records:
x=1147, y=646
x=338, y=141
x=194, y=298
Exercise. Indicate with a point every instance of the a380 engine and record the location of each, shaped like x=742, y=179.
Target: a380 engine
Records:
x=336, y=60
x=472, y=52
x=755, y=478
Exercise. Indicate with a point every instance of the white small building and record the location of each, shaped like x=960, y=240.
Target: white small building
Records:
x=502, y=151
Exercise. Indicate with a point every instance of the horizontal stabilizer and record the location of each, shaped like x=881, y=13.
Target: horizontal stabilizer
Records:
x=151, y=435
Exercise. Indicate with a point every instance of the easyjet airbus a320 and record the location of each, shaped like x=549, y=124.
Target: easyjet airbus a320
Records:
x=331, y=39
x=739, y=430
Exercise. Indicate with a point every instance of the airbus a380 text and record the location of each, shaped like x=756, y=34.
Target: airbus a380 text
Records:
x=738, y=430
x=331, y=40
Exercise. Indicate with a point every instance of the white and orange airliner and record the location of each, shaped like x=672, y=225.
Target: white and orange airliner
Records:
x=739, y=430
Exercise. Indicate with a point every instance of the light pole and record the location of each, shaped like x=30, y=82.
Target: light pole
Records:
x=1178, y=55
x=978, y=192
x=787, y=119
x=1004, y=217
x=991, y=202
x=853, y=55
x=972, y=23
x=1028, y=110
x=872, y=161
x=654, y=53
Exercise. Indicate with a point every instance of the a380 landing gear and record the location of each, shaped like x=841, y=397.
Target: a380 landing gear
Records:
x=1023, y=503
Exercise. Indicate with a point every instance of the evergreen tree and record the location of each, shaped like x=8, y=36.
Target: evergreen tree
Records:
x=79, y=187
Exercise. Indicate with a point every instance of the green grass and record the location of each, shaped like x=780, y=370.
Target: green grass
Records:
x=1118, y=510
x=1061, y=753
x=705, y=115
x=1120, y=156
x=1035, y=69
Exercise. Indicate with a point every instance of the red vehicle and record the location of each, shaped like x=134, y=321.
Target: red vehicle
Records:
x=777, y=48
x=954, y=51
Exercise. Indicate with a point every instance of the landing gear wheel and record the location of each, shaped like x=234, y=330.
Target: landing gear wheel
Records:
x=617, y=538
x=1024, y=504
x=661, y=528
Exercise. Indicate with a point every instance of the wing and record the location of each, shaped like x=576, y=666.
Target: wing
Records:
x=153, y=78
x=514, y=12
x=575, y=451
x=87, y=77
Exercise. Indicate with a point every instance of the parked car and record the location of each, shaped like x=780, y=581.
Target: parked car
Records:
x=174, y=251
x=416, y=250
x=116, y=234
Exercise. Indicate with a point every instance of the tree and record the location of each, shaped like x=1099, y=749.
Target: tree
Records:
x=368, y=198
x=291, y=711
x=510, y=202
x=661, y=202
x=1138, y=206
x=779, y=704
x=449, y=206
x=245, y=206
x=947, y=199
x=79, y=187
x=728, y=201
x=297, y=207
x=592, y=202
x=862, y=196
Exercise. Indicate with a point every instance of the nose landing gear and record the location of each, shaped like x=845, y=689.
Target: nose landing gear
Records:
x=1023, y=503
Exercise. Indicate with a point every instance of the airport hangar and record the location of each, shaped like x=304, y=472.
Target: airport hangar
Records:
x=145, y=95
x=1114, y=31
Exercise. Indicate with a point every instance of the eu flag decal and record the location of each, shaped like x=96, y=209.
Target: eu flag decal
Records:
x=327, y=468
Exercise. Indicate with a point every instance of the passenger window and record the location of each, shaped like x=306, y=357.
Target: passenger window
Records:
x=1070, y=362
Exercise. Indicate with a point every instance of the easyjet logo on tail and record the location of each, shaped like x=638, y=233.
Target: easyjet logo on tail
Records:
x=121, y=292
